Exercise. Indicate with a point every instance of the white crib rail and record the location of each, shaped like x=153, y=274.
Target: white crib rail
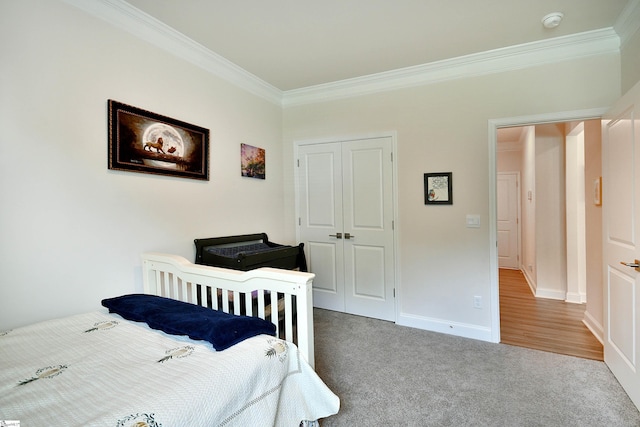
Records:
x=278, y=295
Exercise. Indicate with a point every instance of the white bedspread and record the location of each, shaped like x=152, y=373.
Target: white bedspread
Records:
x=97, y=369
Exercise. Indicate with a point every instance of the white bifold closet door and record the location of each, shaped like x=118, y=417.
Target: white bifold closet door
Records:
x=345, y=197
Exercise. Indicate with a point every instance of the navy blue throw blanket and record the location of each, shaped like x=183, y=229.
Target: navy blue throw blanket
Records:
x=182, y=318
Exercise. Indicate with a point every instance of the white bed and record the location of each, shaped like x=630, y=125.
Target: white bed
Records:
x=100, y=369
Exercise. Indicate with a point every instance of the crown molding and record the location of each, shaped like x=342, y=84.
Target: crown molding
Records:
x=628, y=22
x=597, y=42
x=142, y=25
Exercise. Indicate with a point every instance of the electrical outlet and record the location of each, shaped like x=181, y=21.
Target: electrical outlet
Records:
x=477, y=302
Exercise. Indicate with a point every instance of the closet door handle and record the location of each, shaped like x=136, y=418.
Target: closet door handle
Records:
x=348, y=236
x=337, y=235
x=635, y=265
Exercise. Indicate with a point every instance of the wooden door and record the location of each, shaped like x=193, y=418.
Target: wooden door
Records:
x=621, y=204
x=345, y=197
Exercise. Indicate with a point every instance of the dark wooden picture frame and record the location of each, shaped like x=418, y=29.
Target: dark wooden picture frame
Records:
x=142, y=141
x=438, y=188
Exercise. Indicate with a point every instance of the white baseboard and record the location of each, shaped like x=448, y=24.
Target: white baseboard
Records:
x=550, y=294
x=576, y=298
x=443, y=326
x=594, y=326
x=529, y=279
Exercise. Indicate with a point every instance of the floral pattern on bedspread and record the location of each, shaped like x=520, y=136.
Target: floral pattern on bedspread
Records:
x=100, y=369
x=46, y=372
x=102, y=326
x=138, y=420
x=177, y=353
x=277, y=349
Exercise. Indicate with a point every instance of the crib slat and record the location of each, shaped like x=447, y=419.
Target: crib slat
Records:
x=166, y=284
x=288, y=317
x=159, y=290
x=193, y=295
x=248, y=304
x=236, y=302
x=261, y=304
x=185, y=290
x=273, y=311
x=203, y=295
x=173, y=285
x=214, y=297
x=225, y=300
x=182, y=295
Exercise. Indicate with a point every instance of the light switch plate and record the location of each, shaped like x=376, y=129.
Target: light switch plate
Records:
x=473, y=221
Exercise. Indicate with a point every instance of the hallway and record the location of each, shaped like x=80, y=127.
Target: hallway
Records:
x=543, y=324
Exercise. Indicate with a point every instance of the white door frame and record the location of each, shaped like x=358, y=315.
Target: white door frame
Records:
x=493, y=125
x=396, y=225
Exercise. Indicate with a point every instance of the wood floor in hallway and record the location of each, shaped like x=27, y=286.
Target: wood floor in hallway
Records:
x=543, y=324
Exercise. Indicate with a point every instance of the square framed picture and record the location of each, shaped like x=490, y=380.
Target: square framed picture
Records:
x=142, y=141
x=252, y=161
x=438, y=188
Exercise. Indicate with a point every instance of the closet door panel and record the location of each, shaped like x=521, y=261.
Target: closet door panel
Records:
x=321, y=221
x=367, y=184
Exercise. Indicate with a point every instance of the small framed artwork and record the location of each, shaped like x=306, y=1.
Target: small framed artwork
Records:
x=252, y=161
x=438, y=189
x=597, y=191
x=142, y=141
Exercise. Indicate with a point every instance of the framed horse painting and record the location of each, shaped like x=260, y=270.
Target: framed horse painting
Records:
x=142, y=141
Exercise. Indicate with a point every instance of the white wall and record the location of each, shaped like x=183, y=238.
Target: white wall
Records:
x=443, y=127
x=71, y=230
x=551, y=231
x=509, y=160
x=630, y=60
x=528, y=197
x=593, y=169
x=576, y=290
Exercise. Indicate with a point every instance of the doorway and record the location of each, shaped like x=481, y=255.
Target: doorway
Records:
x=592, y=323
x=551, y=275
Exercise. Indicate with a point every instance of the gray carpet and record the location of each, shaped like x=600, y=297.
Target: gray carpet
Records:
x=389, y=375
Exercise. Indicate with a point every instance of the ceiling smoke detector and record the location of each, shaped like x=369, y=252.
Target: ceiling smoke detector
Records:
x=552, y=20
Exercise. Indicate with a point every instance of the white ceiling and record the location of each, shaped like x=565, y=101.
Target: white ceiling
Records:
x=292, y=44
